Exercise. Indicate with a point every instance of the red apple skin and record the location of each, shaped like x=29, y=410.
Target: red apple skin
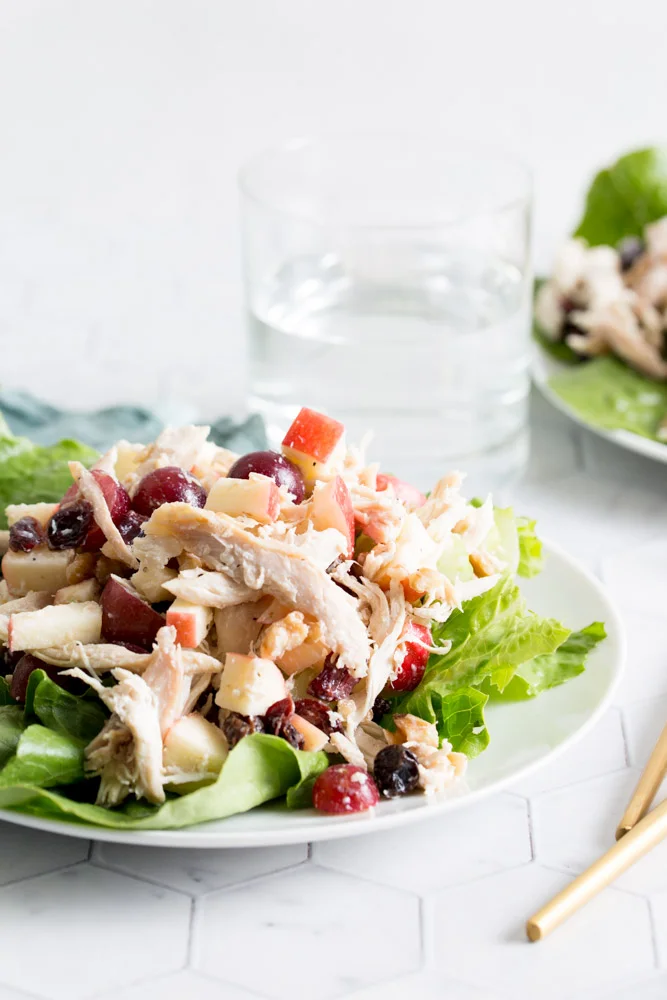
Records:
x=126, y=618
x=406, y=493
x=314, y=434
x=332, y=508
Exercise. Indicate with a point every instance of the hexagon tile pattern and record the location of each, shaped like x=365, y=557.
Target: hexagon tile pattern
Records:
x=434, y=911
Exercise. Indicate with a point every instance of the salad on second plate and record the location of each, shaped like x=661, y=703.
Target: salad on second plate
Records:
x=188, y=633
x=606, y=301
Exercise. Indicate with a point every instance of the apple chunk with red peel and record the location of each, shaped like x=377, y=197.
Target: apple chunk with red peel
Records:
x=258, y=497
x=126, y=617
x=191, y=621
x=312, y=442
x=313, y=738
x=331, y=507
x=250, y=685
x=405, y=492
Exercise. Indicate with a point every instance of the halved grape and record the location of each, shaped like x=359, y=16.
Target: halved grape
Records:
x=167, y=485
x=275, y=466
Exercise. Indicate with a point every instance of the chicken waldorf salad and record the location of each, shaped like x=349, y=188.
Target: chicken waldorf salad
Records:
x=187, y=633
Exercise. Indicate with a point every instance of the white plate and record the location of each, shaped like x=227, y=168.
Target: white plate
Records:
x=545, y=367
x=524, y=735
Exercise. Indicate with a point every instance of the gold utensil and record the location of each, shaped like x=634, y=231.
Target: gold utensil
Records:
x=647, y=786
x=637, y=842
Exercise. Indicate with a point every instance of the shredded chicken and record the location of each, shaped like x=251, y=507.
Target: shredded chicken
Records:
x=91, y=491
x=104, y=657
x=210, y=589
x=282, y=570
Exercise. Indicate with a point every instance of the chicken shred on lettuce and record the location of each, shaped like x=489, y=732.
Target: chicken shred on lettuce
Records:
x=205, y=597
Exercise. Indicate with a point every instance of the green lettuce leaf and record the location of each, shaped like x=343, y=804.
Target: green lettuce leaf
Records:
x=259, y=768
x=491, y=636
x=77, y=717
x=30, y=473
x=530, y=548
x=43, y=759
x=552, y=669
x=624, y=197
x=606, y=393
x=11, y=726
x=5, y=696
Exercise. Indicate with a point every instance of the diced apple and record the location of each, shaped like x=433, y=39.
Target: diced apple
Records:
x=331, y=507
x=237, y=627
x=194, y=745
x=86, y=590
x=249, y=685
x=55, y=626
x=40, y=569
x=313, y=442
x=258, y=497
x=128, y=458
x=308, y=654
x=126, y=617
x=405, y=492
x=41, y=512
x=313, y=738
x=191, y=621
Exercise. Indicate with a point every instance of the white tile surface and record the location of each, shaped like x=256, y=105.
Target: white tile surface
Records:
x=199, y=871
x=479, y=937
x=350, y=933
x=25, y=852
x=95, y=930
x=424, y=986
x=646, y=671
x=486, y=838
x=180, y=986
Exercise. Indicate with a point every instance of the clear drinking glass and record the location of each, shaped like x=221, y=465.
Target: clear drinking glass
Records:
x=388, y=283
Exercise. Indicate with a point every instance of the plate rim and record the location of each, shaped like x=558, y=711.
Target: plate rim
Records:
x=335, y=828
x=544, y=365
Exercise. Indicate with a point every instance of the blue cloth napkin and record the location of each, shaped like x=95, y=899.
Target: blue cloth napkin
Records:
x=45, y=424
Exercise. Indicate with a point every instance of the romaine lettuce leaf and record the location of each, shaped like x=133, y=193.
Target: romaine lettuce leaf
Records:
x=491, y=636
x=552, y=669
x=608, y=394
x=530, y=548
x=626, y=196
x=30, y=473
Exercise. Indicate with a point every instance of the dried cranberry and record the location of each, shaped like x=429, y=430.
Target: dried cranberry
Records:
x=236, y=726
x=26, y=534
x=131, y=526
x=380, y=708
x=318, y=714
x=344, y=788
x=332, y=683
x=277, y=722
x=69, y=525
x=396, y=771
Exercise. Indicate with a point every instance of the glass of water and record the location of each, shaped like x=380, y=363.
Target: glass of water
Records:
x=388, y=283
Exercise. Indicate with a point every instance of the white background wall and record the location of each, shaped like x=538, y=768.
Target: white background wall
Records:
x=123, y=122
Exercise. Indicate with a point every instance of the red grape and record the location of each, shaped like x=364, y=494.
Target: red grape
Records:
x=26, y=534
x=167, y=485
x=275, y=466
x=344, y=788
x=126, y=617
x=25, y=667
x=411, y=670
